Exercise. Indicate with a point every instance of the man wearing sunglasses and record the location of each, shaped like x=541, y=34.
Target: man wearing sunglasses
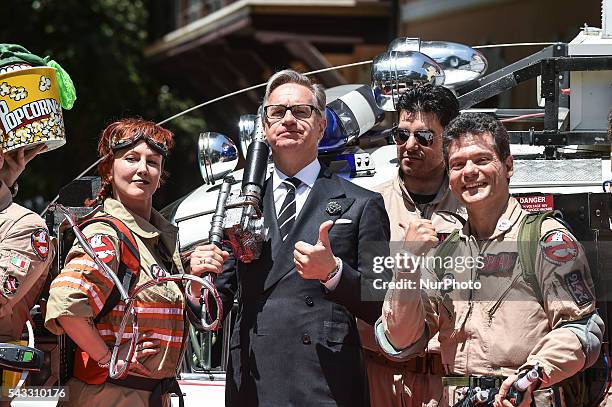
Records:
x=295, y=341
x=414, y=199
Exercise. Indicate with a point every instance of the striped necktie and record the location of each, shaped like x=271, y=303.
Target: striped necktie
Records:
x=286, y=215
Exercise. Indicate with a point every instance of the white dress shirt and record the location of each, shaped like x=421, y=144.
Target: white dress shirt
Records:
x=308, y=175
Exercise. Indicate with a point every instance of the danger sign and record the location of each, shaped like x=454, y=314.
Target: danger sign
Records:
x=536, y=203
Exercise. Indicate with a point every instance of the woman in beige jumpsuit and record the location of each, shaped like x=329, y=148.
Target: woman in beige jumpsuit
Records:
x=133, y=152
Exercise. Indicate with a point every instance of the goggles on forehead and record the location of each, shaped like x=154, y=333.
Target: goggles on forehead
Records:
x=120, y=144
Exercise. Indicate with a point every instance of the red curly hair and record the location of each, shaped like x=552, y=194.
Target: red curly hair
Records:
x=119, y=130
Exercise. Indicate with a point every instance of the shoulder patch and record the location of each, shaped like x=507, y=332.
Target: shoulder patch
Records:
x=9, y=285
x=559, y=247
x=577, y=287
x=18, y=262
x=103, y=246
x=447, y=283
x=40, y=243
x=158, y=272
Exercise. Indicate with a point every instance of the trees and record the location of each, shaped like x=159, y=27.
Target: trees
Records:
x=100, y=43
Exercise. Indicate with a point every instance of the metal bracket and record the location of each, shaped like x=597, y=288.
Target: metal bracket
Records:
x=553, y=69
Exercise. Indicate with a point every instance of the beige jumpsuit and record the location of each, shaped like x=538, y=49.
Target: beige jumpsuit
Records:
x=501, y=327
x=26, y=255
x=81, y=289
x=409, y=383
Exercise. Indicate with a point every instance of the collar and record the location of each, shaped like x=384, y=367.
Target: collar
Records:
x=157, y=226
x=308, y=175
x=6, y=198
x=400, y=188
x=505, y=223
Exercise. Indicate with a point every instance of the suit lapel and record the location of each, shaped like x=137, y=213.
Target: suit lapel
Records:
x=307, y=224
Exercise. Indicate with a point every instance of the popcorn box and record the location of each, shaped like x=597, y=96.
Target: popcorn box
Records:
x=30, y=111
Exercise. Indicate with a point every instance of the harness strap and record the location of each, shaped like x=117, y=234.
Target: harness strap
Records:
x=129, y=260
x=484, y=382
x=157, y=387
x=528, y=238
x=446, y=248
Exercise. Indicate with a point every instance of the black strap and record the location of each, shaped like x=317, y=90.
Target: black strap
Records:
x=157, y=387
x=166, y=386
x=127, y=279
x=557, y=396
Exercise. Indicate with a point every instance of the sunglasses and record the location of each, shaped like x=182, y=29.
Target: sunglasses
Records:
x=423, y=137
x=120, y=144
x=277, y=112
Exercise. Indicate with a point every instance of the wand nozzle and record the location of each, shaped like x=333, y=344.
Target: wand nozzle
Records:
x=517, y=392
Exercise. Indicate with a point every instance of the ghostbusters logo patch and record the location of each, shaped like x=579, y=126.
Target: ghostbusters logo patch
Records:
x=103, y=246
x=559, y=247
x=9, y=285
x=157, y=272
x=447, y=283
x=500, y=263
x=40, y=243
x=577, y=287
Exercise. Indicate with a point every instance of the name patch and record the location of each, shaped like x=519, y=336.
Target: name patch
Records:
x=500, y=263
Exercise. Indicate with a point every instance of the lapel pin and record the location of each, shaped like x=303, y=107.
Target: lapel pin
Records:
x=333, y=208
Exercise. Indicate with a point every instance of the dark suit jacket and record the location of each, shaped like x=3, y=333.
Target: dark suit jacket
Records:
x=294, y=344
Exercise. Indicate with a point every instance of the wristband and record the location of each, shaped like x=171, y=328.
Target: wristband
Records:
x=334, y=271
x=106, y=364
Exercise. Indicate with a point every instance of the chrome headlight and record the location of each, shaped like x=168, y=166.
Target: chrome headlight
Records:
x=460, y=62
x=393, y=72
x=217, y=156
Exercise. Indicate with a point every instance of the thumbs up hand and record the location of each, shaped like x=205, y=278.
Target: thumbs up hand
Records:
x=315, y=262
x=419, y=236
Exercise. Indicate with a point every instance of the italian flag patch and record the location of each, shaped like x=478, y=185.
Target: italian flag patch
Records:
x=18, y=262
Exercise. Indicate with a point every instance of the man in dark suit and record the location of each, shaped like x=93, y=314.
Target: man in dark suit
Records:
x=295, y=342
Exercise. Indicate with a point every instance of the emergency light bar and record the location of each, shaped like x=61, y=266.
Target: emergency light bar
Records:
x=348, y=117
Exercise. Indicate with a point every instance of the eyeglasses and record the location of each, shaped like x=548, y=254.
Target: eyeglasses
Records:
x=277, y=112
x=423, y=137
x=120, y=144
